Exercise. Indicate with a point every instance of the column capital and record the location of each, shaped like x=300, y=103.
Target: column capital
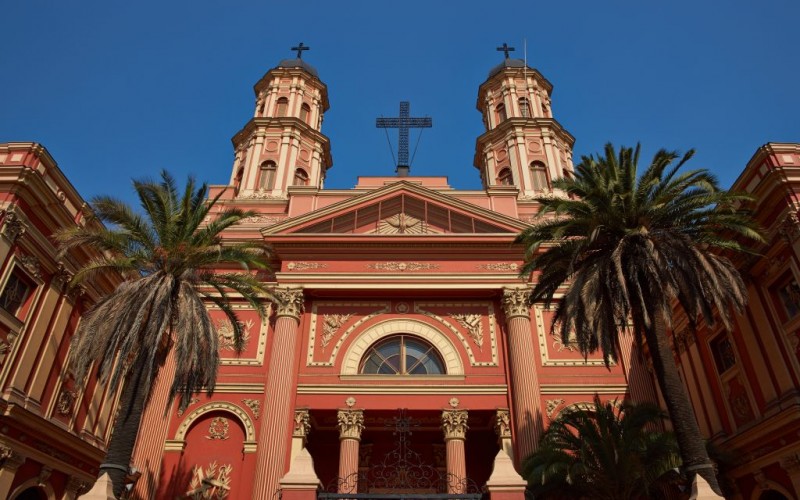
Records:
x=791, y=463
x=454, y=424
x=502, y=423
x=289, y=302
x=302, y=424
x=515, y=302
x=11, y=459
x=350, y=423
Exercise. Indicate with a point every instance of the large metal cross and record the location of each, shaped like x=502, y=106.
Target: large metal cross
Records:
x=403, y=122
x=505, y=48
x=300, y=48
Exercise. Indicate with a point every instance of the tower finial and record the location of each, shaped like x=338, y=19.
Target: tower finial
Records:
x=505, y=48
x=300, y=48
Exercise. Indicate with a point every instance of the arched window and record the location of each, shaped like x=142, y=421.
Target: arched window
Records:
x=504, y=178
x=300, y=177
x=282, y=107
x=501, y=113
x=266, y=175
x=402, y=355
x=524, y=107
x=539, y=176
x=305, y=111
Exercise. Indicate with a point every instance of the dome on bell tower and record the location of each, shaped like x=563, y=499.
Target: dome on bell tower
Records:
x=298, y=63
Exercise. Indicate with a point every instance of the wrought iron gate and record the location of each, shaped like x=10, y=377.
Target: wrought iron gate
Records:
x=402, y=475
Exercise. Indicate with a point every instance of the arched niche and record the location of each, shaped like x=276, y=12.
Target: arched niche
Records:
x=218, y=406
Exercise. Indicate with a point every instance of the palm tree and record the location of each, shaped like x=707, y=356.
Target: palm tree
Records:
x=170, y=258
x=627, y=248
x=603, y=453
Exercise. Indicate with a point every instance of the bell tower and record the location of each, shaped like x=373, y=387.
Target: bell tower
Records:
x=523, y=146
x=282, y=148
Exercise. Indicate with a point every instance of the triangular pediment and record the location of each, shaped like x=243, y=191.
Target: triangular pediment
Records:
x=400, y=208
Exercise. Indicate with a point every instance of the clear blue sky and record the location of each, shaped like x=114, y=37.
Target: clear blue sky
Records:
x=123, y=89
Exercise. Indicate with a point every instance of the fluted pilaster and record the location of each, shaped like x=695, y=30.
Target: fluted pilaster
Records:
x=454, y=425
x=526, y=394
x=277, y=424
x=350, y=423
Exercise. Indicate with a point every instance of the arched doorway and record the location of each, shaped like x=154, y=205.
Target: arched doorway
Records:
x=772, y=495
x=32, y=493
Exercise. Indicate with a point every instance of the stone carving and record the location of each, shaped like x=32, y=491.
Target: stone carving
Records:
x=6, y=345
x=31, y=264
x=350, y=423
x=791, y=463
x=502, y=424
x=330, y=325
x=305, y=266
x=499, y=266
x=454, y=424
x=10, y=458
x=350, y=402
x=218, y=428
x=191, y=402
x=62, y=277
x=263, y=195
x=254, y=405
x=515, y=302
x=552, y=404
x=402, y=224
x=403, y=266
x=212, y=482
x=13, y=227
x=267, y=220
x=65, y=401
x=558, y=342
x=290, y=302
x=44, y=476
x=473, y=324
x=789, y=228
x=225, y=333
x=454, y=402
x=302, y=424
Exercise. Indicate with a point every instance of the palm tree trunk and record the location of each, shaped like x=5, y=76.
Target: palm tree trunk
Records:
x=690, y=439
x=126, y=428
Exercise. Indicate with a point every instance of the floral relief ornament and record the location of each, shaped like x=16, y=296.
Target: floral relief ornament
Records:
x=225, y=333
x=473, y=324
x=330, y=325
x=218, y=428
x=552, y=404
x=254, y=405
x=65, y=401
x=502, y=424
x=350, y=423
x=454, y=424
x=290, y=302
x=403, y=266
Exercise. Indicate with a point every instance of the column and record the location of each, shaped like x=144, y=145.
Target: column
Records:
x=526, y=394
x=502, y=427
x=791, y=464
x=350, y=423
x=454, y=425
x=12, y=460
x=302, y=426
x=276, y=425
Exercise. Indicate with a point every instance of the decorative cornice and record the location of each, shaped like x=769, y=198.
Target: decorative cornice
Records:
x=515, y=302
x=350, y=423
x=454, y=424
x=10, y=458
x=290, y=302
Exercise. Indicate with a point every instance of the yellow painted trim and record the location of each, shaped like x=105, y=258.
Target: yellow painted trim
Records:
x=402, y=389
x=620, y=389
x=383, y=306
x=418, y=307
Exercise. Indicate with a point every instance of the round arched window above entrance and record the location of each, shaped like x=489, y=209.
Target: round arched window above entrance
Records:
x=402, y=355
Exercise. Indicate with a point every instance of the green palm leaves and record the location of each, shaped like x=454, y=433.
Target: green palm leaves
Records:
x=170, y=256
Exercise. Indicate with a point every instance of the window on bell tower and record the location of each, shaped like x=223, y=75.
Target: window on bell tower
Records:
x=266, y=175
x=305, y=112
x=282, y=107
x=504, y=178
x=539, y=176
x=501, y=113
x=524, y=107
x=300, y=177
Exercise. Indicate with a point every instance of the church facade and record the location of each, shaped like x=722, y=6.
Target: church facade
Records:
x=401, y=354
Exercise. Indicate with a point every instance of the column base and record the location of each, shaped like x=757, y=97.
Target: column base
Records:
x=301, y=482
x=505, y=483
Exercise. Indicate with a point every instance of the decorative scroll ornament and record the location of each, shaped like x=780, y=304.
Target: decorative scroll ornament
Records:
x=10, y=458
x=515, y=302
x=499, y=266
x=305, y=266
x=290, y=302
x=302, y=424
x=350, y=423
x=263, y=195
x=212, y=482
x=225, y=333
x=13, y=227
x=558, y=342
x=473, y=324
x=218, y=428
x=191, y=402
x=454, y=424
x=62, y=277
x=502, y=424
x=254, y=405
x=403, y=266
x=552, y=404
x=267, y=220
x=65, y=401
x=330, y=325
x=790, y=227
x=31, y=264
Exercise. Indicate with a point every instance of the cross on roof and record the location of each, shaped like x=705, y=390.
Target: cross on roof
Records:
x=505, y=48
x=403, y=122
x=300, y=48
